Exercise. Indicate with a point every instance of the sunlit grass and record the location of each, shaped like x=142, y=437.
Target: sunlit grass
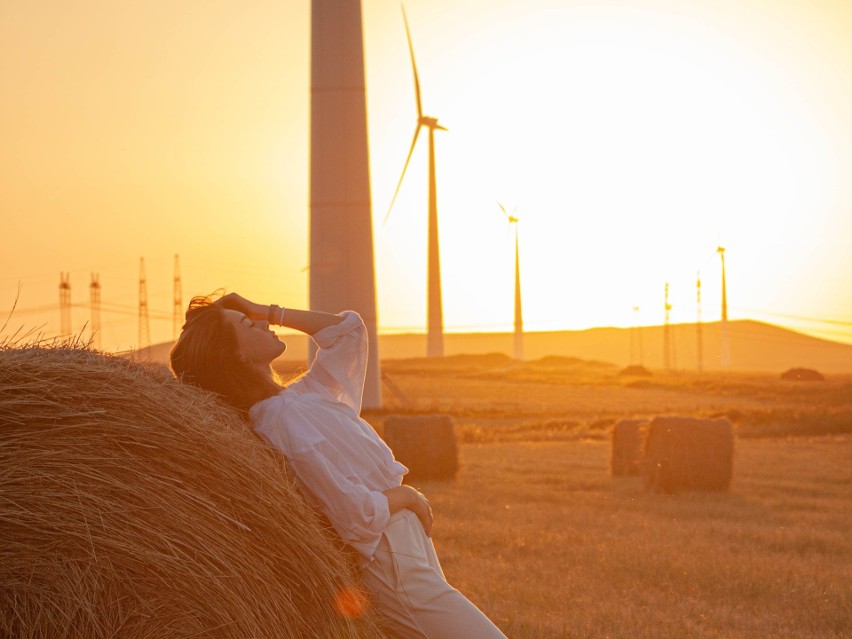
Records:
x=539, y=535
x=549, y=545
x=493, y=398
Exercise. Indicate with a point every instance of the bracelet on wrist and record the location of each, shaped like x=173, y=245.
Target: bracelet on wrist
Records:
x=275, y=314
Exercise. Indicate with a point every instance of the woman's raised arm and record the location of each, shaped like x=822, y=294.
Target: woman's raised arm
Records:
x=309, y=322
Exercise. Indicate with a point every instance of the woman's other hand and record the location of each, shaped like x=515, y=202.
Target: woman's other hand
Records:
x=423, y=510
x=407, y=497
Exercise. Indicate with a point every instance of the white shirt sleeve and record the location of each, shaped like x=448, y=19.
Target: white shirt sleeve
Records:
x=358, y=514
x=340, y=366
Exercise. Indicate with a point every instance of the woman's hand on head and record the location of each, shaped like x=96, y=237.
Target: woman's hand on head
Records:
x=237, y=302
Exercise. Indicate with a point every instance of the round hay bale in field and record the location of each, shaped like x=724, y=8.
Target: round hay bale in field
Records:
x=802, y=375
x=685, y=453
x=134, y=506
x=626, y=447
x=426, y=444
x=634, y=370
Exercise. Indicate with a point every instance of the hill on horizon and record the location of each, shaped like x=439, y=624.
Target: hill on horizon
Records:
x=754, y=346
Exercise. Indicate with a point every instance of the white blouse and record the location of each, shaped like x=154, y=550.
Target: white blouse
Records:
x=340, y=461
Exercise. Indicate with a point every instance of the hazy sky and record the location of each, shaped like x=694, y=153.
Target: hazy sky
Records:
x=632, y=136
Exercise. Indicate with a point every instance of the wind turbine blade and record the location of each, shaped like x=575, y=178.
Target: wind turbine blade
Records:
x=503, y=208
x=413, y=65
x=401, y=177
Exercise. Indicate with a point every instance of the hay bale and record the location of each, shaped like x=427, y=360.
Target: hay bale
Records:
x=134, y=506
x=634, y=370
x=683, y=453
x=426, y=444
x=802, y=375
x=627, y=437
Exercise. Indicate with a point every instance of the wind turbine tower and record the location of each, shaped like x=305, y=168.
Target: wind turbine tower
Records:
x=435, y=311
x=519, y=317
x=725, y=348
x=342, y=272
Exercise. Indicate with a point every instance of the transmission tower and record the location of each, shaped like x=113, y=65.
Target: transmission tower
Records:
x=725, y=349
x=698, y=327
x=667, y=334
x=144, y=325
x=95, y=299
x=177, y=301
x=64, y=304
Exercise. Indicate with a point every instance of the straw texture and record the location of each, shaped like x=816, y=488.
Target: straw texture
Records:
x=134, y=506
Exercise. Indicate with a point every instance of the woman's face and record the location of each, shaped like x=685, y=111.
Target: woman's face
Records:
x=256, y=342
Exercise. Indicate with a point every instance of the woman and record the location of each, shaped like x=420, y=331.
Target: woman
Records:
x=345, y=469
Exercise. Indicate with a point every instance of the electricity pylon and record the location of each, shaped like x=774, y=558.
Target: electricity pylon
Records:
x=144, y=337
x=698, y=327
x=667, y=334
x=177, y=301
x=95, y=300
x=64, y=304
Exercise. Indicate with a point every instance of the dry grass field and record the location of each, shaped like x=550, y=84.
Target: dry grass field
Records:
x=541, y=537
x=536, y=531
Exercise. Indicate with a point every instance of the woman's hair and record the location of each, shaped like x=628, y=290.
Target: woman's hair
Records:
x=207, y=355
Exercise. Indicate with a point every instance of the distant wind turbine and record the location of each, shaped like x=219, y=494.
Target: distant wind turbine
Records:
x=725, y=350
x=435, y=312
x=519, y=319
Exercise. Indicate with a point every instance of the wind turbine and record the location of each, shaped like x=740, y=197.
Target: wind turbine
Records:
x=519, y=319
x=725, y=351
x=435, y=312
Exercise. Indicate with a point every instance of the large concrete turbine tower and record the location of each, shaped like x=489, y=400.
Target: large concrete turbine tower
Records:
x=341, y=270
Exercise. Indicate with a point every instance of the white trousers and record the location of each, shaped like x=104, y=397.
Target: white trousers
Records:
x=409, y=588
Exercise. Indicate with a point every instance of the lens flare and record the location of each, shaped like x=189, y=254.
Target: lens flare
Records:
x=350, y=603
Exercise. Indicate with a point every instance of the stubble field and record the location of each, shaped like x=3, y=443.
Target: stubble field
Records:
x=537, y=533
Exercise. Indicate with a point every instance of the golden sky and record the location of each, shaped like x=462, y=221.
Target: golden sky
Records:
x=632, y=136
